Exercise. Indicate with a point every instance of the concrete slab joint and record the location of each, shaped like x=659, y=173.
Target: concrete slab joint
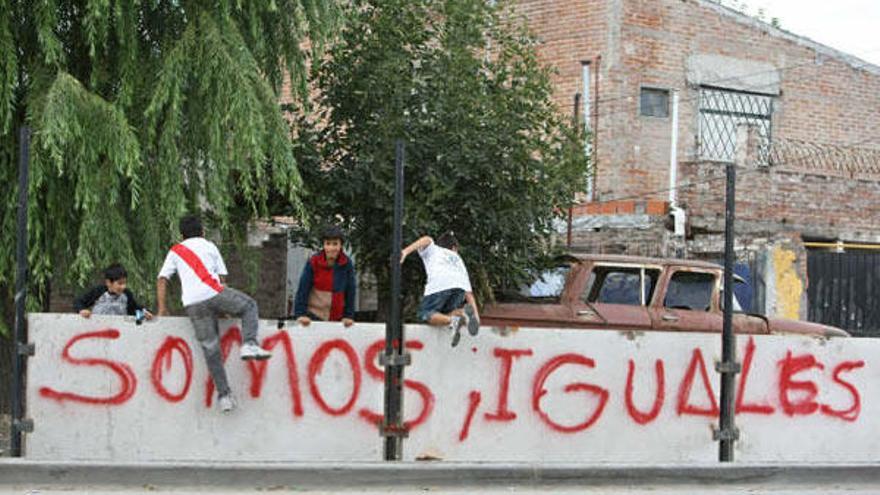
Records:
x=733, y=73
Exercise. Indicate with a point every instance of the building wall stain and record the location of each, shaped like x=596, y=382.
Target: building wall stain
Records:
x=789, y=287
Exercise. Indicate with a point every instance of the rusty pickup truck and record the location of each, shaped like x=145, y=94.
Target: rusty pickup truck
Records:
x=613, y=292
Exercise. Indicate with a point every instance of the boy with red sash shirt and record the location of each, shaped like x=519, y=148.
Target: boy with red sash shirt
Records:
x=201, y=270
x=327, y=289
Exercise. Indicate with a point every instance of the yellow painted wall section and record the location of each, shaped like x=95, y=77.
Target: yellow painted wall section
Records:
x=789, y=287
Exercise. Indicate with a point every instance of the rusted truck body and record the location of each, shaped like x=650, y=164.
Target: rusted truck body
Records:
x=612, y=292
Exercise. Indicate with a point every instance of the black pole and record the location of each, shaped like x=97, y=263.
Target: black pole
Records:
x=19, y=332
x=576, y=122
x=395, y=354
x=727, y=433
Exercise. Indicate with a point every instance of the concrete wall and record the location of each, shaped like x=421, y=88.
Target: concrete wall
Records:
x=105, y=389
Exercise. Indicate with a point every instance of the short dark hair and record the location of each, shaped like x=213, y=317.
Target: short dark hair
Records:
x=332, y=232
x=447, y=240
x=115, y=272
x=191, y=226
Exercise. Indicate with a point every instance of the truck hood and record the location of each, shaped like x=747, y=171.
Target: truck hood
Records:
x=502, y=313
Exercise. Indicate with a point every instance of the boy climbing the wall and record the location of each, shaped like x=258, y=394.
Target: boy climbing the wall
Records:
x=448, y=300
x=201, y=269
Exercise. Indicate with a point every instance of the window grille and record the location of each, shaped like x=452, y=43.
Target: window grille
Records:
x=721, y=112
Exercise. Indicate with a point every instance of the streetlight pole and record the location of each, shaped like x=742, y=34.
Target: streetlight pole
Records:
x=395, y=357
x=19, y=337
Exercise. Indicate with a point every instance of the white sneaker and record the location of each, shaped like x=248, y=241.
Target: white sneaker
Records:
x=253, y=351
x=455, y=326
x=226, y=403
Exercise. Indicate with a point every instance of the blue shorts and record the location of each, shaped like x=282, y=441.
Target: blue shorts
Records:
x=445, y=301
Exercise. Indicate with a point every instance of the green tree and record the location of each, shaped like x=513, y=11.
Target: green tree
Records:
x=142, y=110
x=488, y=155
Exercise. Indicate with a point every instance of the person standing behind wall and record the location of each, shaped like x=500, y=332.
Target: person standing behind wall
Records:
x=327, y=285
x=112, y=298
x=201, y=269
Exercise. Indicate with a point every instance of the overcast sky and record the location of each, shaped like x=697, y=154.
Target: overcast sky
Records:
x=851, y=26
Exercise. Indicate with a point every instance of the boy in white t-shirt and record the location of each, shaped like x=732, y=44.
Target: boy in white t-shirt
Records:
x=448, y=287
x=201, y=270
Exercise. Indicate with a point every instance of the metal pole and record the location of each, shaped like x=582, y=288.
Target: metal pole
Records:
x=20, y=330
x=727, y=432
x=568, y=229
x=575, y=121
x=673, y=151
x=594, y=163
x=395, y=357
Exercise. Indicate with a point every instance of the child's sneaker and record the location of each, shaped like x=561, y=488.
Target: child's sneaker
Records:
x=455, y=325
x=226, y=403
x=251, y=350
x=473, y=324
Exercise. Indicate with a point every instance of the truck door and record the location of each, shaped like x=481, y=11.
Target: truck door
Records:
x=615, y=297
x=744, y=322
x=686, y=302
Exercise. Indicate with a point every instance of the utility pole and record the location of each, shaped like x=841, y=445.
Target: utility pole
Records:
x=20, y=349
x=727, y=433
x=395, y=357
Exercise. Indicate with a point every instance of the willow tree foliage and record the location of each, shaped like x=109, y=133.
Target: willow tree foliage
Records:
x=487, y=153
x=142, y=110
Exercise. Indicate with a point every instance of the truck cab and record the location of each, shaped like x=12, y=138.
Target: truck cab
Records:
x=630, y=293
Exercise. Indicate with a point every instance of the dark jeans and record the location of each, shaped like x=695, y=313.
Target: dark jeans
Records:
x=445, y=301
x=203, y=316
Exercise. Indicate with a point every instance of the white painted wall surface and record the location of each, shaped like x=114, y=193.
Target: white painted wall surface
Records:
x=804, y=399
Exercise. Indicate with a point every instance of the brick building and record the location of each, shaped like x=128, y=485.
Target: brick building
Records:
x=810, y=181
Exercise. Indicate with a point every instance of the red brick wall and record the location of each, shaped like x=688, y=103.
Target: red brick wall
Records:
x=771, y=202
x=569, y=32
x=647, y=42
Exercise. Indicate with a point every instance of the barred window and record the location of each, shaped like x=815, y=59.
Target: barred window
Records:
x=721, y=111
x=654, y=102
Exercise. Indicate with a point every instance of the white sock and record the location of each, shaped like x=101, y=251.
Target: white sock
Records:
x=453, y=322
